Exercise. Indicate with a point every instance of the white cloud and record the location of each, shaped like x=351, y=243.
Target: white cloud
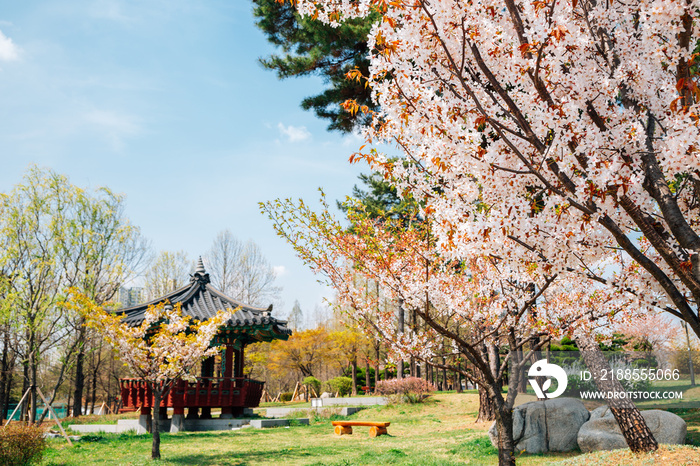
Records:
x=279, y=270
x=294, y=133
x=8, y=50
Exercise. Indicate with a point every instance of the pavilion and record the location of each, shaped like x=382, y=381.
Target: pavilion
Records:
x=222, y=383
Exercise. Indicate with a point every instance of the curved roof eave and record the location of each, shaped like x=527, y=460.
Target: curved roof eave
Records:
x=201, y=301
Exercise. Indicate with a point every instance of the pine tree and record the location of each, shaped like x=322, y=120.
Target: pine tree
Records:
x=309, y=47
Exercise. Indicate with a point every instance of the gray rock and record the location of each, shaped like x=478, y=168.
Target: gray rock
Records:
x=599, y=412
x=602, y=432
x=544, y=426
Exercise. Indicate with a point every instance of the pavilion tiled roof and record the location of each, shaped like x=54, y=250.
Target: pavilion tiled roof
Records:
x=201, y=301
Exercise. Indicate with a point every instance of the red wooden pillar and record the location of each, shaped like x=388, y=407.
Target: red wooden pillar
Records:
x=207, y=372
x=207, y=368
x=228, y=360
x=239, y=362
x=227, y=411
x=192, y=400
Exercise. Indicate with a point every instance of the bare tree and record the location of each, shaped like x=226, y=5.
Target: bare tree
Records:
x=169, y=271
x=296, y=316
x=241, y=270
x=321, y=314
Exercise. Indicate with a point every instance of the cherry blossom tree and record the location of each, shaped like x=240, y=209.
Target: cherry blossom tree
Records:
x=476, y=304
x=573, y=123
x=161, y=350
x=654, y=331
x=554, y=129
x=576, y=297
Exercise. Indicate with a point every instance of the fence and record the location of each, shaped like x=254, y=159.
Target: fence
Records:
x=61, y=410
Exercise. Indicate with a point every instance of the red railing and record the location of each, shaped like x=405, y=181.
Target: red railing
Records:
x=214, y=392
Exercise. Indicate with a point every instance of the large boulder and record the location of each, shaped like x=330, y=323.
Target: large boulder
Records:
x=543, y=426
x=602, y=432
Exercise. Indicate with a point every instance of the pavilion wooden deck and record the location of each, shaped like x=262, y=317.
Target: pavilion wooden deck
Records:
x=206, y=392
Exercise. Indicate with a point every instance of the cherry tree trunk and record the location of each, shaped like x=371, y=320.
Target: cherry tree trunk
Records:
x=400, y=328
x=458, y=377
x=155, y=427
x=487, y=407
x=637, y=435
x=504, y=421
x=494, y=360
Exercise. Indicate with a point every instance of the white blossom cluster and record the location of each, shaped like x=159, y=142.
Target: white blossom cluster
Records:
x=166, y=345
x=529, y=124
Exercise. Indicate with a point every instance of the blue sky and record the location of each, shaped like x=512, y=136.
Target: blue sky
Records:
x=165, y=102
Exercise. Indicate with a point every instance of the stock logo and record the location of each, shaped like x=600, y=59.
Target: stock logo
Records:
x=544, y=369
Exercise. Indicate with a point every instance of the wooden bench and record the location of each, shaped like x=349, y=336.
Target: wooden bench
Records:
x=375, y=428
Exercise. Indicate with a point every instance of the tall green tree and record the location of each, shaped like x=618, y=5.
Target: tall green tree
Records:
x=99, y=251
x=30, y=260
x=378, y=199
x=311, y=48
x=55, y=235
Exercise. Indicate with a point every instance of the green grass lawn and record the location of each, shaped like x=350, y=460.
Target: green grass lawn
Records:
x=441, y=431
x=286, y=404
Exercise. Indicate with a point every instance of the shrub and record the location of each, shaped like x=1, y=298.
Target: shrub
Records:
x=21, y=445
x=313, y=382
x=286, y=396
x=408, y=390
x=341, y=385
x=645, y=363
x=679, y=359
x=361, y=375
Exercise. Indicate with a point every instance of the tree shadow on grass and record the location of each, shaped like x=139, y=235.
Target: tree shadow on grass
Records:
x=240, y=458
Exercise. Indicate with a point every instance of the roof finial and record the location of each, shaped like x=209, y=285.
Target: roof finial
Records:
x=200, y=267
